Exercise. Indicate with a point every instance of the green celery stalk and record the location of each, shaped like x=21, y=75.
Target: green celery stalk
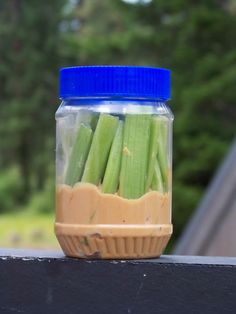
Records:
x=153, y=147
x=65, y=136
x=94, y=121
x=100, y=147
x=135, y=156
x=78, y=155
x=111, y=177
x=162, y=149
x=157, y=181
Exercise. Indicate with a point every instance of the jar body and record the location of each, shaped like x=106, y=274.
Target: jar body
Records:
x=113, y=177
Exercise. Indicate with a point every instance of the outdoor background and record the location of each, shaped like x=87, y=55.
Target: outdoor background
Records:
x=195, y=39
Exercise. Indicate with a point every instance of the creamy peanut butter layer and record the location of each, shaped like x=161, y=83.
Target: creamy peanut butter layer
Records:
x=85, y=204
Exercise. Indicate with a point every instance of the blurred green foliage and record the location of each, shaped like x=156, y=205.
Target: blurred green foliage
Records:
x=195, y=39
x=10, y=189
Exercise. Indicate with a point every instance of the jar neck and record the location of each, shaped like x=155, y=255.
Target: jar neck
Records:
x=115, y=106
x=114, y=98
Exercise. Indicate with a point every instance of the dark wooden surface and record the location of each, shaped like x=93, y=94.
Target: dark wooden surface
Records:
x=47, y=282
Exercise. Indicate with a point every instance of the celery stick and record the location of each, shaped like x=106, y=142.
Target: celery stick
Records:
x=88, y=118
x=65, y=134
x=157, y=181
x=111, y=177
x=78, y=155
x=153, y=146
x=162, y=149
x=94, y=121
x=100, y=147
x=135, y=156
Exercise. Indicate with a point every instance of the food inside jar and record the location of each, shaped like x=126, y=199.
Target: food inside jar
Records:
x=126, y=156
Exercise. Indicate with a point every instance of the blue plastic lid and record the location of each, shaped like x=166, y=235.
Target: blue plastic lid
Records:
x=115, y=81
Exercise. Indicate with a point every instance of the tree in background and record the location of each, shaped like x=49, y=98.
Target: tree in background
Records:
x=30, y=56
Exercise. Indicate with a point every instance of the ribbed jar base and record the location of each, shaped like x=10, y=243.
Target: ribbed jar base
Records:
x=113, y=241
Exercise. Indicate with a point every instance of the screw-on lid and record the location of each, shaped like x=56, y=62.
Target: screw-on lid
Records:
x=115, y=81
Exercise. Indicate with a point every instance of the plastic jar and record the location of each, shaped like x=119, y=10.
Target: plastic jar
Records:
x=114, y=162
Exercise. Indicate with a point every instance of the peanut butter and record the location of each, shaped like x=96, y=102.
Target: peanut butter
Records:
x=93, y=224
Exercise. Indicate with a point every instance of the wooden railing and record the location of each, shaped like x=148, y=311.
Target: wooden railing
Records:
x=47, y=282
